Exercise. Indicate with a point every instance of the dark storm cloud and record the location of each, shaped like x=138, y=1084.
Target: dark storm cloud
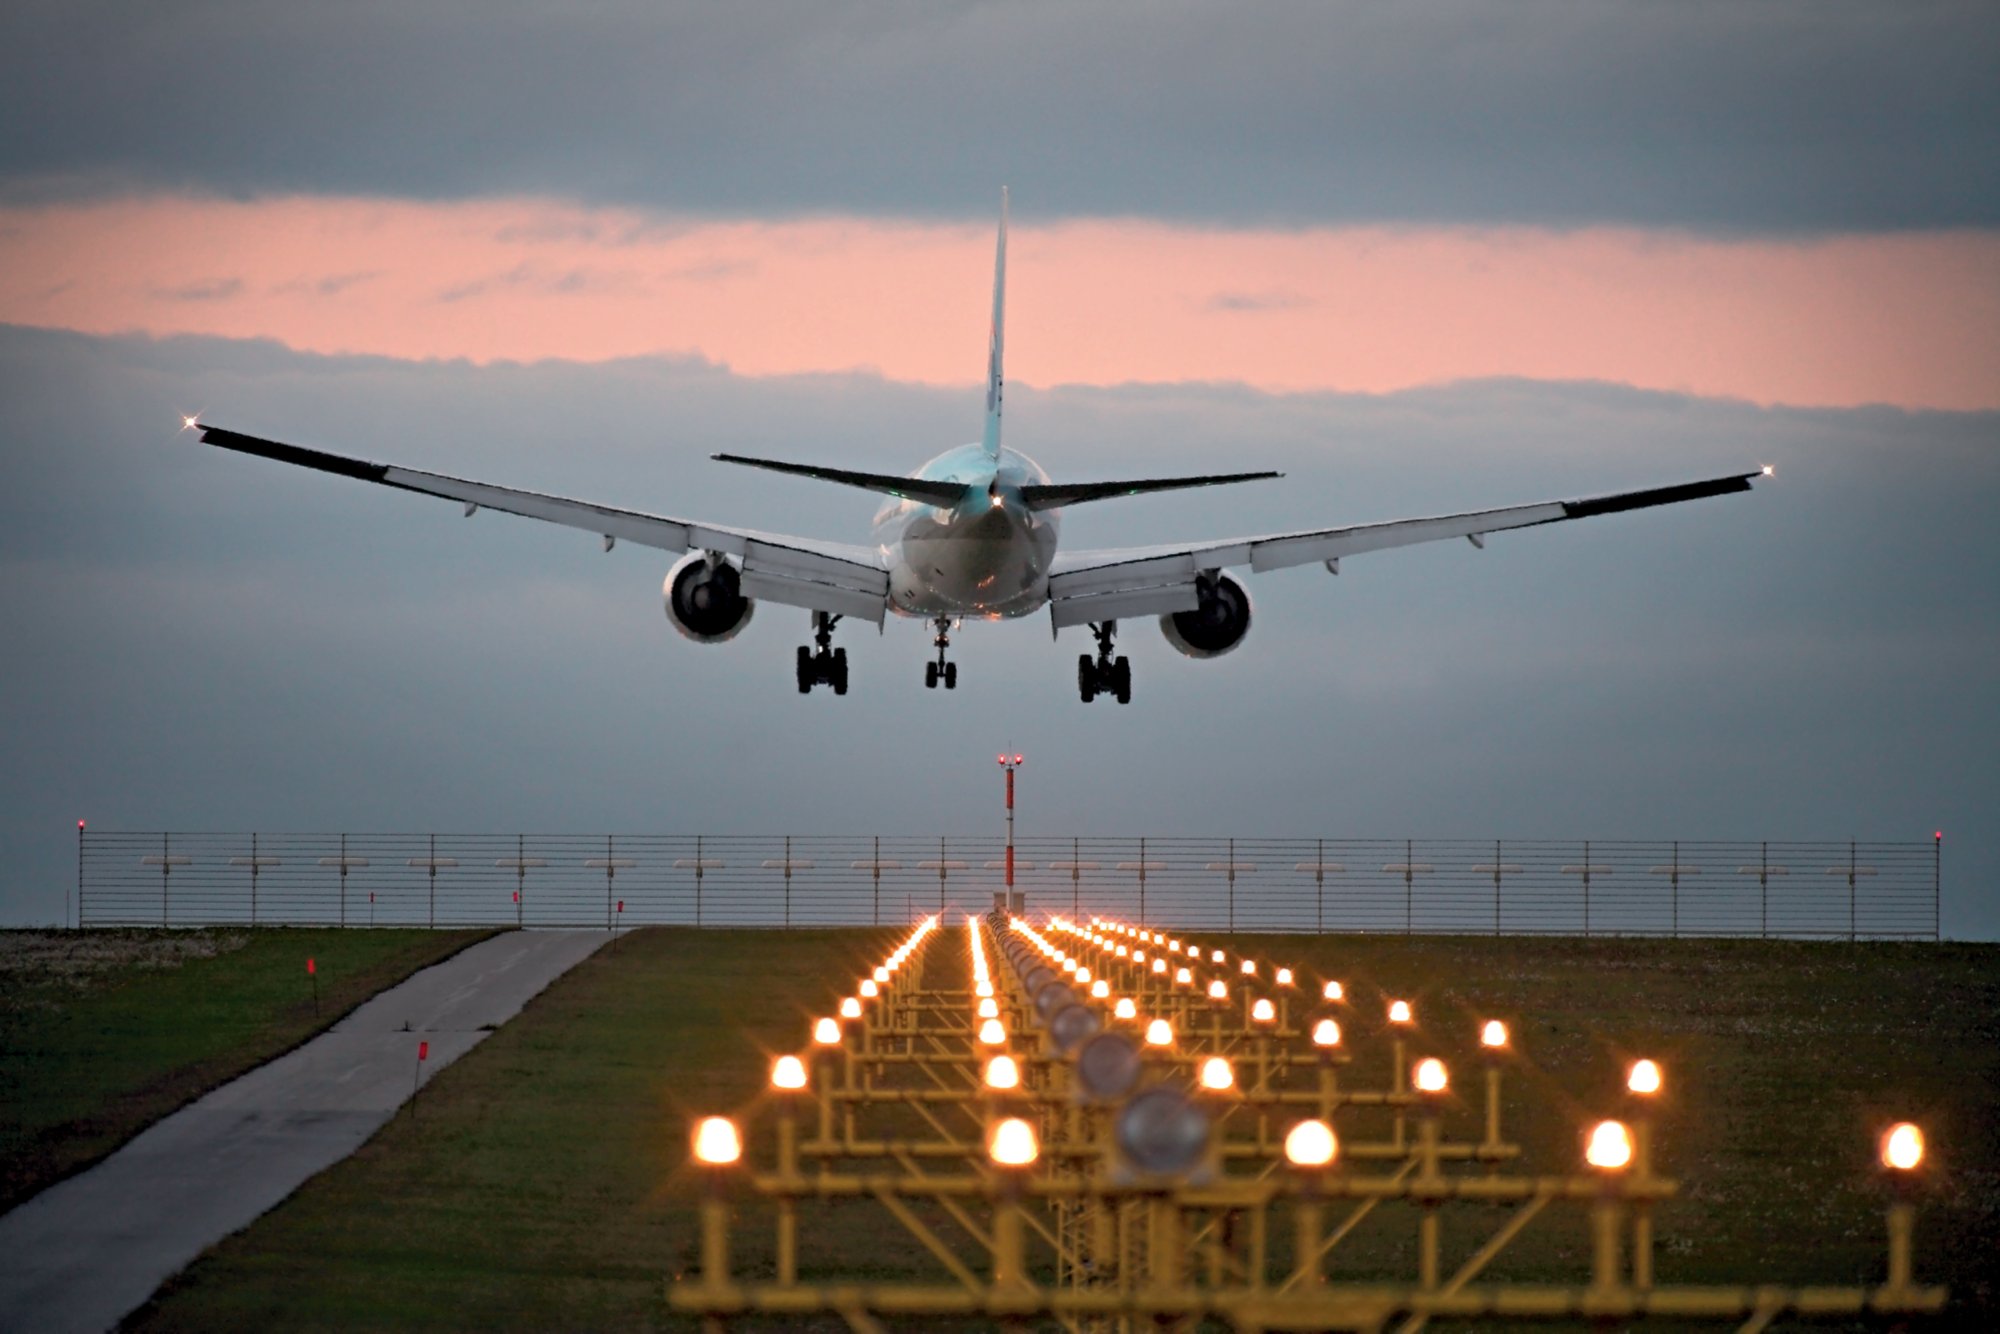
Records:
x=201, y=640
x=1804, y=115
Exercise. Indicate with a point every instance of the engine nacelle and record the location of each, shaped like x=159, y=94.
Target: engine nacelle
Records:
x=1217, y=625
x=705, y=602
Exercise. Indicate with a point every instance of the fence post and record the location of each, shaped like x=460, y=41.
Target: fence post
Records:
x=1319, y=886
x=1142, y=881
x=166, y=872
x=1852, y=920
x=697, y=879
x=788, y=882
x=1764, y=890
x=1586, y=889
x=1232, y=886
x=1937, y=885
x=1674, y=882
x=877, y=864
x=943, y=871
x=79, y=881
x=1496, y=886
x=1409, y=885
x=1075, y=877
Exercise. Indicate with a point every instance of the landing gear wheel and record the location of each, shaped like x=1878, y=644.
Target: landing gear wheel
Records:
x=1121, y=680
x=1086, y=678
x=951, y=676
x=808, y=674
x=930, y=676
x=1104, y=675
x=821, y=662
x=840, y=671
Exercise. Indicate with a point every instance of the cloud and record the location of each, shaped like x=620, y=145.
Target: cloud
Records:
x=1904, y=318
x=1792, y=116
x=211, y=289
x=1252, y=302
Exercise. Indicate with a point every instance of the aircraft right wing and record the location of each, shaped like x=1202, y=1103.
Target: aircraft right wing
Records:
x=795, y=571
x=1088, y=586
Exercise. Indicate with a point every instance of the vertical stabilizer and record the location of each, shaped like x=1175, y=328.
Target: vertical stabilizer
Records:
x=994, y=377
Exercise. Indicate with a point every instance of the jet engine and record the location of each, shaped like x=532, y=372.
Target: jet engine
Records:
x=705, y=599
x=1217, y=625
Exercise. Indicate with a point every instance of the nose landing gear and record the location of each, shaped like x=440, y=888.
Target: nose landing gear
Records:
x=823, y=664
x=941, y=670
x=1104, y=675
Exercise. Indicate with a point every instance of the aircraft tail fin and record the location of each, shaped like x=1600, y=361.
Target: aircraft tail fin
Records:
x=995, y=380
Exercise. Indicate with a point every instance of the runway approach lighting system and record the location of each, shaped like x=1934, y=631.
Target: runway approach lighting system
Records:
x=1084, y=1138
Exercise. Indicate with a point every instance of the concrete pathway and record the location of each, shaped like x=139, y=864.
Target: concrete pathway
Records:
x=87, y=1251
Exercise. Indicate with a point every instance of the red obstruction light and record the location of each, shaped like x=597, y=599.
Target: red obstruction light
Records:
x=1017, y=759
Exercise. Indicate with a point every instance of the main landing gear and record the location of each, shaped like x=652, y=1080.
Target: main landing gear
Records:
x=941, y=670
x=1105, y=675
x=823, y=664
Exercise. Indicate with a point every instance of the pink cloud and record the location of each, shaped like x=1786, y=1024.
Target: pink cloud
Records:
x=1908, y=319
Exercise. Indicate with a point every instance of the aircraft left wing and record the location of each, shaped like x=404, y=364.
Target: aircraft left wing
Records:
x=1088, y=586
x=795, y=571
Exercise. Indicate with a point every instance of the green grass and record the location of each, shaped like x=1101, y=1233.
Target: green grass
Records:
x=542, y=1184
x=104, y=1032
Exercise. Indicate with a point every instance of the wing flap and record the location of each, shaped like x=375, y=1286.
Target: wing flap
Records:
x=1123, y=605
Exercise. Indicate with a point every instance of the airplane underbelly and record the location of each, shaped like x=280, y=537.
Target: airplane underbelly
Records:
x=966, y=576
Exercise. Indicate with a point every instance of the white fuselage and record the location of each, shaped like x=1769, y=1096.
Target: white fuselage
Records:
x=986, y=557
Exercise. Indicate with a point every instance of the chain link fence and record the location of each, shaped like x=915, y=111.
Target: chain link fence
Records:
x=1850, y=890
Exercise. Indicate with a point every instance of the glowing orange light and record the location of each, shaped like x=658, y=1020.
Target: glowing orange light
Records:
x=850, y=1008
x=1610, y=1146
x=1125, y=1009
x=989, y=1008
x=1400, y=1012
x=1644, y=1077
x=1263, y=1012
x=1217, y=1075
x=1249, y=967
x=1218, y=990
x=1311, y=1144
x=991, y=1033
x=1431, y=1076
x=716, y=1142
x=1002, y=1073
x=1284, y=977
x=1326, y=1033
x=1333, y=991
x=1159, y=1033
x=1493, y=1034
x=1012, y=1143
x=826, y=1033
x=1902, y=1147
x=788, y=1072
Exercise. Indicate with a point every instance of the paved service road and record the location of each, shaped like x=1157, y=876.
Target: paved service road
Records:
x=87, y=1251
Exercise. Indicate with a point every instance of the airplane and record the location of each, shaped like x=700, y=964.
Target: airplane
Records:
x=972, y=533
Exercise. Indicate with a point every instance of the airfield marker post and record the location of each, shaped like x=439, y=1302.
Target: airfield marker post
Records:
x=313, y=973
x=79, y=882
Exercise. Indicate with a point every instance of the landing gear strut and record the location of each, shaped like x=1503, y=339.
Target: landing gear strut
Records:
x=941, y=670
x=823, y=664
x=1105, y=674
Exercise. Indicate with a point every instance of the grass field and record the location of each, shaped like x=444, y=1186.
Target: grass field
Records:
x=104, y=1032
x=541, y=1184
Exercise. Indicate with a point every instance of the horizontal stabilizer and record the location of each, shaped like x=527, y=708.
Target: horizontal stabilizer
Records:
x=904, y=488
x=1075, y=493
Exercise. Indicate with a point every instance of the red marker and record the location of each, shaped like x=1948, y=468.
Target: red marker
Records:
x=621, y=905
x=423, y=1051
x=309, y=966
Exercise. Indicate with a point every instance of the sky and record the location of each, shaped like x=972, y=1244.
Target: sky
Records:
x=1422, y=257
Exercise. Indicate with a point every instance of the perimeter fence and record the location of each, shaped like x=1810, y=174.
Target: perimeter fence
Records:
x=1845, y=889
